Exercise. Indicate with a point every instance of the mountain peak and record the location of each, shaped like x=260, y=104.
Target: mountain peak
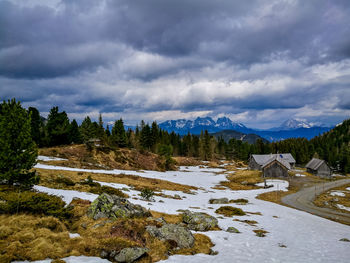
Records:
x=295, y=124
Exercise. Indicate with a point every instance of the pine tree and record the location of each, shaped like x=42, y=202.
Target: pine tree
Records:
x=86, y=129
x=18, y=151
x=74, y=133
x=36, y=125
x=118, y=134
x=57, y=127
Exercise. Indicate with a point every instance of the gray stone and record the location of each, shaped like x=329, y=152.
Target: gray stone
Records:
x=219, y=201
x=130, y=254
x=112, y=207
x=199, y=221
x=232, y=229
x=172, y=232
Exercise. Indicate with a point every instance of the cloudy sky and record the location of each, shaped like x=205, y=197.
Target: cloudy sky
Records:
x=258, y=62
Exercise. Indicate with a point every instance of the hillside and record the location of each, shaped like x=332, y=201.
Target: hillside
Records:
x=78, y=156
x=227, y=135
x=334, y=146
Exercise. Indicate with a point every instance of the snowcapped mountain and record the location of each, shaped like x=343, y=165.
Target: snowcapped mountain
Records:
x=295, y=124
x=291, y=128
x=183, y=126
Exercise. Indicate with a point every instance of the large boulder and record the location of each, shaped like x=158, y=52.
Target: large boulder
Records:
x=130, y=254
x=199, y=221
x=174, y=233
x=112, y=206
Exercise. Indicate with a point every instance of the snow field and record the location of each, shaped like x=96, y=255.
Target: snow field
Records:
x=307, y=238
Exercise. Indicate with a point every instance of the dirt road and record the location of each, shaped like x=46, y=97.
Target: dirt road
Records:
x=303, y=200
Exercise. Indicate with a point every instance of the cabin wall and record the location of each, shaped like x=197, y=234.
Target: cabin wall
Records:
x=253, y=165
x=324, y=171
x=275, y=170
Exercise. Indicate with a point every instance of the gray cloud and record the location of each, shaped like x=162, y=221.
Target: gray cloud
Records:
x=246, y=59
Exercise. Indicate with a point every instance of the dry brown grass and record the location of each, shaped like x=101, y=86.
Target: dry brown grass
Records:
x=249, y=222
x=171, y=219
x=29, y=237
x=243, y=180
x=48, y=179
x=107, y=158
x=260, y=232
x=187, y=161
x=329, y=201
x=230, y=211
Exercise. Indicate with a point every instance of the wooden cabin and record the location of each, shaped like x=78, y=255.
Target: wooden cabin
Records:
x=257, y=161
x=319, y=167
x=276, y=167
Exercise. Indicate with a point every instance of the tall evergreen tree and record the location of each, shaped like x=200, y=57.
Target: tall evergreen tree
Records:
x=57, y=127
x=87, y=129
x=74, y=133
x=118, y=134
x=36, y=125
x=18, y=151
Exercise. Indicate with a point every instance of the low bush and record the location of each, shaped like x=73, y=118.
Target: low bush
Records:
x=64, y=180
x=147, y=194
x=14, y=201
x=230, y=211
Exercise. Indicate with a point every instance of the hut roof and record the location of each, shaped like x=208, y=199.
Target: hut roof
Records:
x=278, y=158
x=261, y=159
x=314, y=164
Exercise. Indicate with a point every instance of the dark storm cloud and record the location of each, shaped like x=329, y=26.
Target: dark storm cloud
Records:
x=188, y=56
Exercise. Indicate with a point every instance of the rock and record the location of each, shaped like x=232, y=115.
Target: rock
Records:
x=174, y=233
x=232, y=229
x=104, y=254
x=177, y=197
x=219, y=201
x=344, y=240
x=130, y=254
x=84, y=225
x=161, y=201
x=112, y=206
x=213, y=253
x=199, y=221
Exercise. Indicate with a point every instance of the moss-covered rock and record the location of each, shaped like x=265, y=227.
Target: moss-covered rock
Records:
x=112, y=206
x=199, y=221
x=223, y=200
x=173, y=233
x=130, y=254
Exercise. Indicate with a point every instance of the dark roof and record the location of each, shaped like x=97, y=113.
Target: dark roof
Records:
x=279, y=159
x=314, y=164
x=261, y=159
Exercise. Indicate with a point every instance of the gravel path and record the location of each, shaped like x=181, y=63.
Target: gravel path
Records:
x=303, y=200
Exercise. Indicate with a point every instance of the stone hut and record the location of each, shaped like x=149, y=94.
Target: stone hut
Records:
x=257, y=161
x=276, y=167
x=319, y=167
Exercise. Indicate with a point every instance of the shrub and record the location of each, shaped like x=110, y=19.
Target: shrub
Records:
x=64, y=180
x=230, y=211
x=147, y=194
x=15, y=201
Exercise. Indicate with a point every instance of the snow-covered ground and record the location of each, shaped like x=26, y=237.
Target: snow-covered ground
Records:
x=47, y=158
x=307, y=238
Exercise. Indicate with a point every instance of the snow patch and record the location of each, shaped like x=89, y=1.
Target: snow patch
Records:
x=49, y=158
x=343, y=207
x=337, y=193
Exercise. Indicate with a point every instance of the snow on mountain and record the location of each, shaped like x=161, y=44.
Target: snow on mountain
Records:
x=295, y=124
x=183, y=126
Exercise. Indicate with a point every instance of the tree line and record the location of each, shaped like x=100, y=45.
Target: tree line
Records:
x=333, y=146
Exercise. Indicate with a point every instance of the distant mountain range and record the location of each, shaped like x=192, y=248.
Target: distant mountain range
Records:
x=291, y=128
